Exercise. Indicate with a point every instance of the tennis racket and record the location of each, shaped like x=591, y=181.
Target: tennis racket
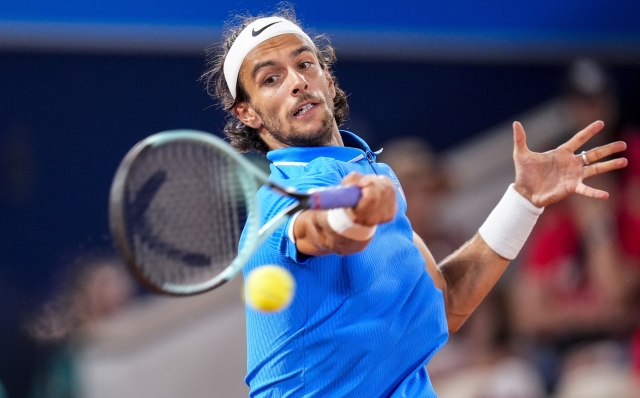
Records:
x=179, y=202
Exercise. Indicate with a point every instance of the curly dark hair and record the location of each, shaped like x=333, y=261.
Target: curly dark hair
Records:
x=244, y=138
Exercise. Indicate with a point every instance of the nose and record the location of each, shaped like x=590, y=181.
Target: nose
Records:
x=299, y=84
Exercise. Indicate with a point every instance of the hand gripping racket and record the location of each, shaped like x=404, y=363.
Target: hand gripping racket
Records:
x=179, y=202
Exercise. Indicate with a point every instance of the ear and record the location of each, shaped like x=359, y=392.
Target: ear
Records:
x=247, y=115
x=332, y=86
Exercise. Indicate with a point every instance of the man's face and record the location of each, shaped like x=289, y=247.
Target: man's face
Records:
x=291, y=94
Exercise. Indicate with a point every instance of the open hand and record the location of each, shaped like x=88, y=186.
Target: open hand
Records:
x=548, y=177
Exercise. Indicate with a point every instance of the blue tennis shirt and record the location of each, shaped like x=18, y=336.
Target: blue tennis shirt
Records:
x=362, y=325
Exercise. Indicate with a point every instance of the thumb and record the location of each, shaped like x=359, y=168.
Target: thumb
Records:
x=519, y=139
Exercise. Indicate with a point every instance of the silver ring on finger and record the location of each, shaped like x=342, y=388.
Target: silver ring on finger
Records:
x=584, y=158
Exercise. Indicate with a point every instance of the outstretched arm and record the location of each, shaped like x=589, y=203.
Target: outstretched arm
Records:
x=468, y=275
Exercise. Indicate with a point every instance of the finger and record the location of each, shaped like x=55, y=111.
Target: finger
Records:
x=519, y=138
x=352, y=178
x=602, y=152
x=377, y=204
x=604, y=167
x=370, y=194
x=365, y=212
x=591, y=192
x=583, y=136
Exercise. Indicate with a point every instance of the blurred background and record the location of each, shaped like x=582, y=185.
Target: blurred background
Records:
x=437, y=84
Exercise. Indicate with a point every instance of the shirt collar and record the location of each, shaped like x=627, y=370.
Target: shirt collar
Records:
x=354, y=147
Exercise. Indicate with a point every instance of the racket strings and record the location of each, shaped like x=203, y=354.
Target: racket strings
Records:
x=229, y=215
x=185, y=209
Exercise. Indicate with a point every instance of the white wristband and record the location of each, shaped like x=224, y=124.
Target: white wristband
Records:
x=509, y=224
x=342, y=224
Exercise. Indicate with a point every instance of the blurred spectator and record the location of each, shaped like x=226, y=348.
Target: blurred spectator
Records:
x=629, y=235
x=590, y=95
x=98, y=288
x=423, y=183
x=574, y=301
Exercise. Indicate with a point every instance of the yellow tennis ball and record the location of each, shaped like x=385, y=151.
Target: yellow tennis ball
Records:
x=269, y=288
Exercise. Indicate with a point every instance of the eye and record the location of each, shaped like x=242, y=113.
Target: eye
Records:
x=305, y=65
x=270, y=80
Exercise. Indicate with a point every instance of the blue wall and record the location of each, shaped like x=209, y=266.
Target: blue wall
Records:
x=537, y=18
x=541, y=29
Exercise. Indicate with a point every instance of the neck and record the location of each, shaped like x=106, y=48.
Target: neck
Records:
x=337, y=137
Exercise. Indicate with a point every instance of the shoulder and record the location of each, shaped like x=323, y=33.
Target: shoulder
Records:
x=319, y=172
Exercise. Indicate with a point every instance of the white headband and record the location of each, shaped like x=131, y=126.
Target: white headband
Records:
x=255, y=33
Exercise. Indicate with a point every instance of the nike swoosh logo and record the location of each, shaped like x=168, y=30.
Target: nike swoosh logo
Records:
x=255, y=32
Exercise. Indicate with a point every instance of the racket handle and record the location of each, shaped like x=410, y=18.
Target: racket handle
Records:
x=334, y=197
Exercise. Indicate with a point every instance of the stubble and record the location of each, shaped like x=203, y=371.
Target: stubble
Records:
x=295, y=138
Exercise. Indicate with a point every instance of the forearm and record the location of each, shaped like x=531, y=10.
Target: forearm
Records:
x=469, y=275
x=474, y=269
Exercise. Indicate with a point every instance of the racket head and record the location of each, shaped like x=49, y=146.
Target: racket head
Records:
x=178, y=204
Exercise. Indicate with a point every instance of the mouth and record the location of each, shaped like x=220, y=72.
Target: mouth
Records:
x=304, y=108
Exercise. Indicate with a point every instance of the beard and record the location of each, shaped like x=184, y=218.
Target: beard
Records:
x=295, y=138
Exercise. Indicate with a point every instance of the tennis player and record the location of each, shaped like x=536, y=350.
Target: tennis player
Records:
x=371, y=306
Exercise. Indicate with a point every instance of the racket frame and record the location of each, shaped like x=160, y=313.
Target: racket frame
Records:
x=251, y=179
